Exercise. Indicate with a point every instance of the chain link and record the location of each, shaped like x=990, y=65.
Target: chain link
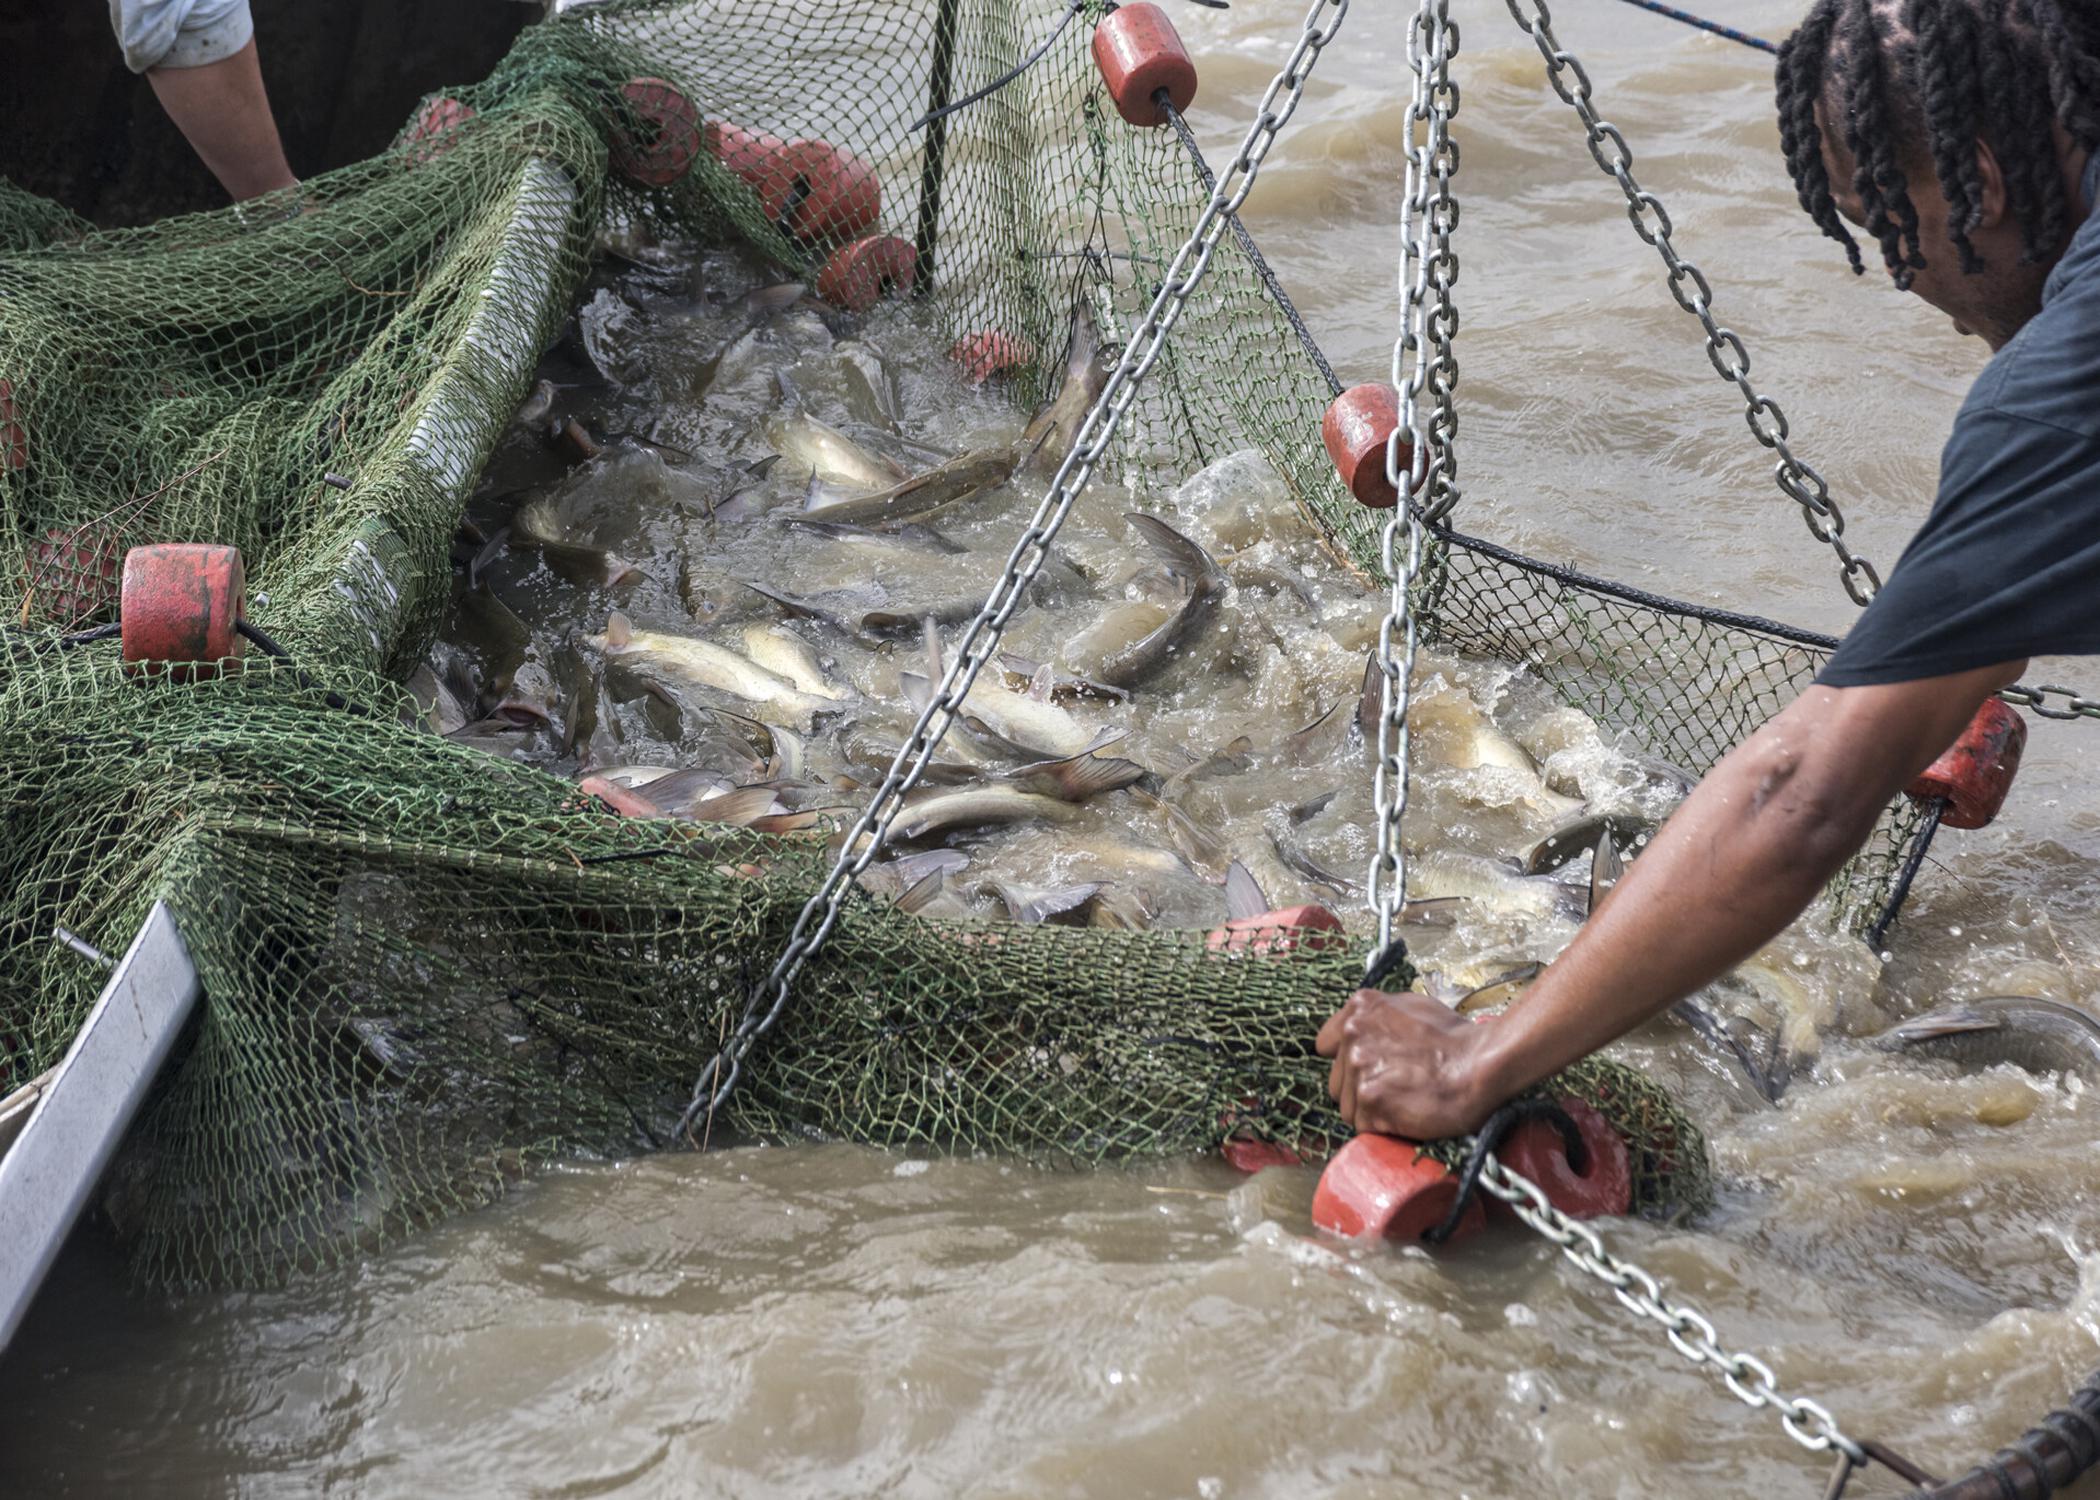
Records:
x=2036, y=700
x=980, y=639
x=1422, y=365
x=1796, y=477
x=1690, y=1332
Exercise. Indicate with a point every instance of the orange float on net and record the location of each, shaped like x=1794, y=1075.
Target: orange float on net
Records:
x=859, y=275
x=73, y=573
x=1355, y=429
x=821, y=194
x=1978, y=769
x=1382, y=1185
x=1602, y=1189
x=181, y=606
x=1281, y=931
x=1139, y=53
x=757, y=158
x=14, y=438
x=989, y=352
x=656, y=143
x=1248, y=1156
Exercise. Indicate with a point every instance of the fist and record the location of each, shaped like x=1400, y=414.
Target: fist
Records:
x=1404, y=1065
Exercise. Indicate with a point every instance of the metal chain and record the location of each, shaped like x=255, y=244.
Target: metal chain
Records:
x=2035, y=699
x=1422, y=361
x=1690, y=1332
x=1797, y=479
x=980, y=640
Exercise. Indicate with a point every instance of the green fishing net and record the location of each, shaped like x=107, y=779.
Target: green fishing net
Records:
x=426, y=967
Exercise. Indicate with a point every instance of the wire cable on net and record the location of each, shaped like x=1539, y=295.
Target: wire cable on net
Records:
x=1688, y=19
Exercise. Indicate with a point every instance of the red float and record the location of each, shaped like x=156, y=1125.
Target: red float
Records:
x=1281, y=931
x=73, y=573
x=1355, y=429
x=755, y=157
x=1978, y=769
x=437, y=118
x=657, y=148
x=14, y=438
x=821, y=194
x=1603, y=1189
x=181, y=606
x=1139, y=53
x=859, y=275
x=1382, y=1185
x=989, y=352
x=1253, y=1156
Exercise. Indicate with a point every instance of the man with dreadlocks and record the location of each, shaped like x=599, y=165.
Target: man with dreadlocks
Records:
x=1961, y=136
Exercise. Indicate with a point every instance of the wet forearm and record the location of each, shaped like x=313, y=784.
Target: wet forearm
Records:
x=1740, y=860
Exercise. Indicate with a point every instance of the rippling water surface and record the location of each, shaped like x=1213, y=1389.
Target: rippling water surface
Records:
x=1913, y=1247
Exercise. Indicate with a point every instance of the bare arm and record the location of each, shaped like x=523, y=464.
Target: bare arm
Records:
x=223, y=112
x=1740, y=859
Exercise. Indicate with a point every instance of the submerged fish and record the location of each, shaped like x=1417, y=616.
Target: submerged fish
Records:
x=1033, y=903
x=1586, y=831
x=682, y=660
x=1055, y=428
x=976, y=807
x=829, y=455
x=921, y=495
x=1109, y=655
x=2042, y=1036
x=1008, y=723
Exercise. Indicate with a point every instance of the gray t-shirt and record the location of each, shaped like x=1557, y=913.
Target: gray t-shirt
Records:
x=2007, y=565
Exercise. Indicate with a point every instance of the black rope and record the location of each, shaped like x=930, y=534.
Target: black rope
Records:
x=942, y=111
x=1382, y=966
x=1253, y=252
x=1660, y=603
x=934, y=165
x=1489, y=1140
x=1912, y=863
x=1705, y=25
x=269, y=647
x=107, y=632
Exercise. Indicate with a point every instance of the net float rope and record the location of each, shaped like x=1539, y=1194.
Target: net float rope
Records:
x=1964, y=788
x=655, y=145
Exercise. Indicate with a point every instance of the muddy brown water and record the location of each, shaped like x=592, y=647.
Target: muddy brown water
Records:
x=1912, y=1247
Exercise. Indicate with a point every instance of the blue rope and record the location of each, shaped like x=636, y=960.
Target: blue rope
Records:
x=1705, y=25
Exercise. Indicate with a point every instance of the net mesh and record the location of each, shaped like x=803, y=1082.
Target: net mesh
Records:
x=426, y=967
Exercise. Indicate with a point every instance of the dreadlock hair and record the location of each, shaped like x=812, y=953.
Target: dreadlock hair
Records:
x=1926, y=79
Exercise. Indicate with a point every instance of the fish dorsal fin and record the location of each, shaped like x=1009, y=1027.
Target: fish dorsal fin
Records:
x=619, y=630
x=1370, y=703
x=1605, y=869
x=1077, y=777
x=930, y=630
x=1243, y=893
x=921, y=893
x=1312, y=807
x=739, y=808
